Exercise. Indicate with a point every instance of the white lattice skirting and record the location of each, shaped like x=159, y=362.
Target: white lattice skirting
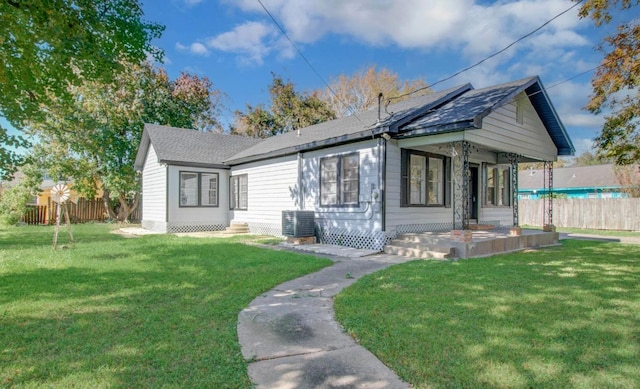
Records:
x=265, y=229
x=370, y=240
x=179, y=227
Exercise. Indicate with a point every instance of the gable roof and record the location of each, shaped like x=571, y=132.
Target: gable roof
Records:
x=468, y=110
x=576, y=177
x=454, y=109
x=346, y=129
x=179, y=146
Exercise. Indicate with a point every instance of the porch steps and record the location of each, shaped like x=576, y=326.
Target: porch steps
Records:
x=237, y=228
x=420, y=246
x=483, y=243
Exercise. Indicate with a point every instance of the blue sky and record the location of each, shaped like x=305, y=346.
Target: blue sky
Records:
x=236, y=45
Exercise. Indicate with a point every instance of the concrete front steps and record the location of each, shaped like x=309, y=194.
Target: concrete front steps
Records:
x=237, y=228
x=424, y=245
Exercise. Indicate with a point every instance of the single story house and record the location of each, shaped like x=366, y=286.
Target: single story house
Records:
x=436, y=162
x=575, y=182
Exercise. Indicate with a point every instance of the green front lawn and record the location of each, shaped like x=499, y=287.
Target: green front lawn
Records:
x=632, y=234
x=156, y=311
x=564, y=317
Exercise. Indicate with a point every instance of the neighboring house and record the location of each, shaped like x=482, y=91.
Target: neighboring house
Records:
x=434, y=162
x=578, y=182
x=44, y=197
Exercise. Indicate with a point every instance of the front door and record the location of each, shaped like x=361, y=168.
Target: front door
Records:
x=472, y=184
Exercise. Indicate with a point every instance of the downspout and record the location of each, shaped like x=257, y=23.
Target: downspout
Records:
x=382, y=158
x=166, y=196
x=300, y=181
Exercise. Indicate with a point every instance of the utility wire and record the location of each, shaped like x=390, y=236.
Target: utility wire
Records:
x=488, y=57
x=273, y=19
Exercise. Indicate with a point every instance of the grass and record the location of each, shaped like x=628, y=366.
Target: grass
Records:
x=633, y=234
x=156, y=311
x=564, y=317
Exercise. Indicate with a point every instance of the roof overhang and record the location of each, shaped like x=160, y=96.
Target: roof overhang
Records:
x=370, y=133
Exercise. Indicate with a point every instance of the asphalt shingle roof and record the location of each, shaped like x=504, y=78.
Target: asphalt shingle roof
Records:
x=474, y=104
x=179, y=145
x=595, y=176
x=457, y=108
x=344, y=129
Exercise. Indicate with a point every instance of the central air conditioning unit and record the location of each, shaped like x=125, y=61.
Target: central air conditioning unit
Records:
x=298, y=223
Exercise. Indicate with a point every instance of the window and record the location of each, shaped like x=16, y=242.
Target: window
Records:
x=340, y=180
x=198, y=189
x=497, y=186
x=239, y=192
x=424, y=179
x=520, y=111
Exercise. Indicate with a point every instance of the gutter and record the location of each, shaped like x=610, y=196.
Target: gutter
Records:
x=315, y=145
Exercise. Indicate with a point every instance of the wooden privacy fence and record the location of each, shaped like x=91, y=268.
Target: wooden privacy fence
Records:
x=598, y=214
x=81, y=212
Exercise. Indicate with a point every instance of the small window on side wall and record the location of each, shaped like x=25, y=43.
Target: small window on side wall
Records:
x=198, y=189
x=520, y=111
x=239, y=192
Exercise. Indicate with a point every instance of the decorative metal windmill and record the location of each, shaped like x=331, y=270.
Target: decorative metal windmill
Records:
x=60, y=194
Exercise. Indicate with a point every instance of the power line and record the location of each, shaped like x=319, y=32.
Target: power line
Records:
x=488, y=57
x=273, y=19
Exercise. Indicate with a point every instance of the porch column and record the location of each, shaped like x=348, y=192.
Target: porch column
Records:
x=548, y=202
x=514, y=159
x=460, y=166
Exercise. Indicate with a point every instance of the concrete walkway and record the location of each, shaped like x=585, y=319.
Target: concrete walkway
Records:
x=601, y=238
x=293, y=340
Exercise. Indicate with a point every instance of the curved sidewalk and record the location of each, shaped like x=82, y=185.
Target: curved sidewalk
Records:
x=290, y=334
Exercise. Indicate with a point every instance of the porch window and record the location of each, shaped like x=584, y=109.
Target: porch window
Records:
x=198, y=189
x=497, y=186
x=424, y=179
x=340, y=180
x=239, y=192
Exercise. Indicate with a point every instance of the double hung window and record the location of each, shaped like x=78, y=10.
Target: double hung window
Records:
x=425, y=179
x=340, y=180
x=239, y=192
x=497, y=186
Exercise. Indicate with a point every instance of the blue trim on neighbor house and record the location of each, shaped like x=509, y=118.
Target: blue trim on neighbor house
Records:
x=609, y=192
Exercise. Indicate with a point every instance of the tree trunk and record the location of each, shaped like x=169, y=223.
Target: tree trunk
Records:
x=127, y=209
x=106, y=200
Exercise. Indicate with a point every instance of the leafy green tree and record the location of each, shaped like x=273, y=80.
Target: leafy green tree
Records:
x=94, y=141
x=289, y=111
x=15, y=197
x=589, y=159
x=616, y=82
x=348, y=94
x=48, y=45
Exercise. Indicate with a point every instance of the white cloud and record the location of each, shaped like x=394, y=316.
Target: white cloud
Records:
x=587, y=120
x=194, y=48
x=476, y=27
x=191, y=3
x=251, y=40
x=582, y=145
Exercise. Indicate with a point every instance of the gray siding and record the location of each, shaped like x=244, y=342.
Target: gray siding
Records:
x=397, y=215
x=500, y=131
x=365, y=218
x=154, y=193
x=271, y=189
x=184, y=219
